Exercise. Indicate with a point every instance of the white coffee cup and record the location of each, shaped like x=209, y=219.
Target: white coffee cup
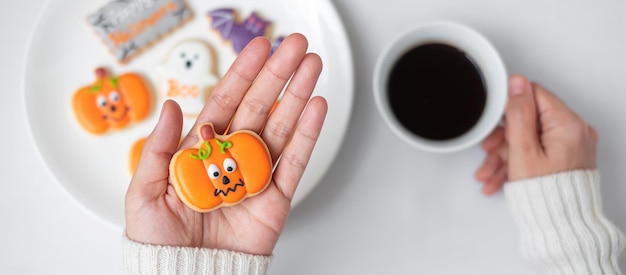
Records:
x=478, y=49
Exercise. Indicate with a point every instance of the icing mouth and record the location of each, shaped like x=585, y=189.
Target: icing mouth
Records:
x=228, y=190
x=119, y=118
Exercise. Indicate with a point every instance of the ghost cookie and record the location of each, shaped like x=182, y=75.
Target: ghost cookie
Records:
x=129, y=26
x=221, y=170
x=187, y=76
x=111, y=102
x=240, y=33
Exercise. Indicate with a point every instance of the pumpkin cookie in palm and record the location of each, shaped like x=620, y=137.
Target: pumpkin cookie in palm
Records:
x=221, y=170
x=111, y=102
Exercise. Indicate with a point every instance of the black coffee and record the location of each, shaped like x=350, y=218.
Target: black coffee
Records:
x=436, y=91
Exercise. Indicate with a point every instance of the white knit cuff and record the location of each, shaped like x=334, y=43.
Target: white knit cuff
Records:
x=562, y=227
x=155, y=259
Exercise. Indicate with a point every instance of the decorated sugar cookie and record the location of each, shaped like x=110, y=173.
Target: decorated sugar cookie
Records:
x=221, y=170
x=135, y=154
x=127, y=27
x=240, y=33
x=111, y=102
x=187, y=76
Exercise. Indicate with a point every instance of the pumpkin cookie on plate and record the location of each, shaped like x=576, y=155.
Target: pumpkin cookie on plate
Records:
x=111, y=102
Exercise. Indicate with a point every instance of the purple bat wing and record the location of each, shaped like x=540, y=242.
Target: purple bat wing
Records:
x=276, y=43
x=223, y=21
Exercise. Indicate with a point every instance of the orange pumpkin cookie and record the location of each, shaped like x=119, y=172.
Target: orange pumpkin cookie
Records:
x=221, y=170
x=111, y=102
x=135, y=155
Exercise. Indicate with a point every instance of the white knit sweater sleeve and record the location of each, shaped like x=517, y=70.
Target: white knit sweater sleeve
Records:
x=562, y=227
x=155, y=259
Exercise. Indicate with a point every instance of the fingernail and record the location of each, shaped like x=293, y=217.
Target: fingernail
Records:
x=516, y=86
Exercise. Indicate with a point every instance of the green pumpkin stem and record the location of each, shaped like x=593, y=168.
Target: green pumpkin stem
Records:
x=202, y=152
x=101, y=73
x=113, y=82
x=224, y=145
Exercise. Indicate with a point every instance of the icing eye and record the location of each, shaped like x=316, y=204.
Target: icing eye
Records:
x=182, y=55
x=230, y=165
x=196, y=57
x=213, y=171
x=114, y=96
x=101, y=101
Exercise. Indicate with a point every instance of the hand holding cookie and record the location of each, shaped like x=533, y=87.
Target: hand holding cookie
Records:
x=242, y=100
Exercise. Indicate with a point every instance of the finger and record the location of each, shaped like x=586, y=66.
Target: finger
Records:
x=521, y=119
x=552, y=111
x=494, y=140
x=594, y=137
x=282, y=121
x=298, y=151
x=258, y=101
x=151, y=177
x=489, y=167
x=495, y=183
x=594, y=134
x=228, y=93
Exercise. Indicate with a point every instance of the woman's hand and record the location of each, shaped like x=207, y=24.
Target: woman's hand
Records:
x=245, y=95
x=541, y=136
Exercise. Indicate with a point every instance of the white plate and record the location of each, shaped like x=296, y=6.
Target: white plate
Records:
x=64, y=52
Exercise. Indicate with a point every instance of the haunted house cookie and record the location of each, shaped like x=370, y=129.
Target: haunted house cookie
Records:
x=129, y=26
x=221, y=170
x=187, y=76
x=111, y=102
x=240, y=33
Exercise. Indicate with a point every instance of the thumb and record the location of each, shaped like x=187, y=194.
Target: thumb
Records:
x=151, y=177
x=553, y=112
x=521, y=119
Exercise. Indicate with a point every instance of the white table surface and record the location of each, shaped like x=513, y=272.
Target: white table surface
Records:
x=384, y=208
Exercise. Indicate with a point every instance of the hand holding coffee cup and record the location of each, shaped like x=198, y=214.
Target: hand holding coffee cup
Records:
x=441, y=87
x=542, y=136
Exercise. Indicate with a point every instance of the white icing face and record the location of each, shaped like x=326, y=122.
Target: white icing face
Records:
x=191, y=59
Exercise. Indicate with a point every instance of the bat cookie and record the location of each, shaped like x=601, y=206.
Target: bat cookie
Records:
x=240, y=33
